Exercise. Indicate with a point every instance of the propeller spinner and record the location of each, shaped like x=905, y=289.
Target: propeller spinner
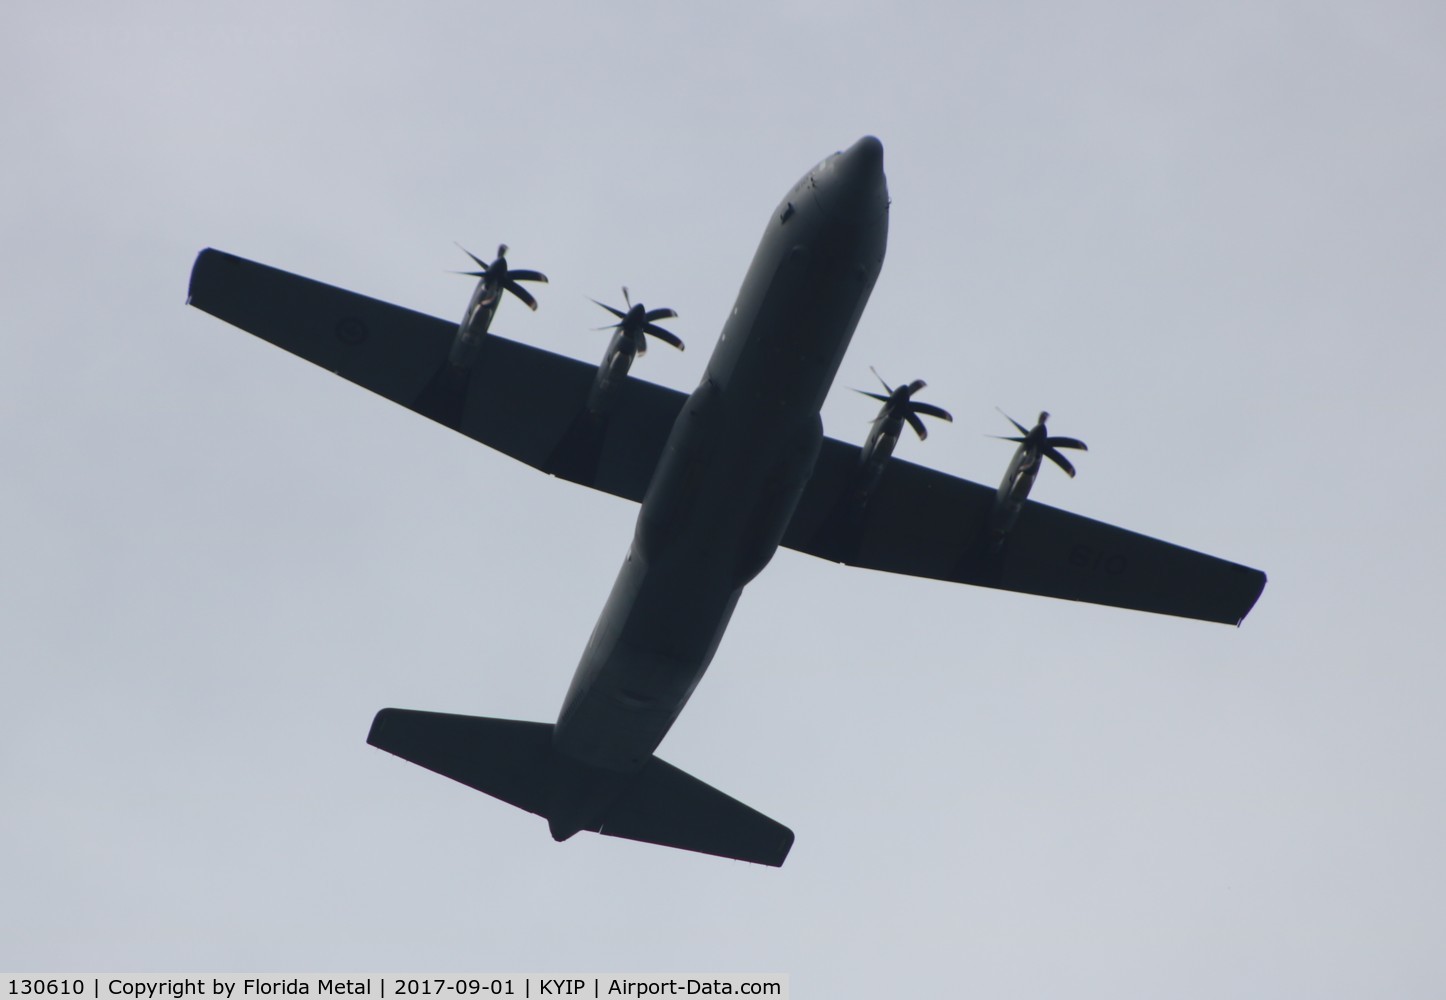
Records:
x=900, y=406
x=498, y=276
x=639, y=320
x=1036, y=441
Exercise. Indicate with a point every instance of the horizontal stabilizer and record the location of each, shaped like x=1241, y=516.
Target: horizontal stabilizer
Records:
x=515, y=762
x=507, y=759
x=670, y=807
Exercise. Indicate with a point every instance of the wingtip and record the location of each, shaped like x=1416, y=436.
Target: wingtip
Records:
x=379, y=725
x=1259, y=590
x=202, y=259
x=785, y=845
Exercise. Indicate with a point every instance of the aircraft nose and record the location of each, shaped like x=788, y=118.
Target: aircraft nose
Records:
x=866, y=156
x=852, y=181
x=858, y=172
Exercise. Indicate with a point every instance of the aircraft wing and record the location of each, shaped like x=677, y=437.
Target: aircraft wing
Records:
x=525, y=402
x=530, y=404
x=925, y=523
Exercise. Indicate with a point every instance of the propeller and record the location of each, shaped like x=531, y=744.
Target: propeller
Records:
x=1037, y=440
x=498, y=275
x=899, y=404
x=638, y=320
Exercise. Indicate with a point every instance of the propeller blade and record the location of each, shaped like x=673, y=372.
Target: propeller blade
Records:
x=656, y=314
x=915, y=386
x=1016, y=423
x=480, y=262
x=872, y=395
x=664, y=335
x=917, y=424
x=640, y=343
x=470, y=274
x=930, y=410
x=1059, y=460
x=1066, y=443
x=625, y=297
x=521, y=293
x=1001, y=437
x=519, y=275
x=887, y=387
x=616, y=312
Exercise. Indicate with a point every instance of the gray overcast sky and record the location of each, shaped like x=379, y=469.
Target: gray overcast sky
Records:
x=1210, y=238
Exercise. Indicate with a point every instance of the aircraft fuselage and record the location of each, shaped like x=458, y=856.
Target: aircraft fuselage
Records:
x=737, y=461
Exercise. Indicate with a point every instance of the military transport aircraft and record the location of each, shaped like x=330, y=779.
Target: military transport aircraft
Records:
x=724, y=476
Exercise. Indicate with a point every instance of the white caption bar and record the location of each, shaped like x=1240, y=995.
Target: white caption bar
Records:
x=121, y=986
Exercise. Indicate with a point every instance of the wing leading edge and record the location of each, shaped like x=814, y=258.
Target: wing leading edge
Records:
x=531, y=404
x=525, y=402
x=920, y=522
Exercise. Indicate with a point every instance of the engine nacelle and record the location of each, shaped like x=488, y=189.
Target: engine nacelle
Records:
x=611, y=373
x=494, y=279
x=899, y=407
x=475, y=323
x=630, y=333
x=874, y=458
x=1035, y=445
x=1013, y=491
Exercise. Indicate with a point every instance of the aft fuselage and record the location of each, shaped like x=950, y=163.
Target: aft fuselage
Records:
x=737, y=460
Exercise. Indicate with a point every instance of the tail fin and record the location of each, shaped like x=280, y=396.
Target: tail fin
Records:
x=515, y=762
